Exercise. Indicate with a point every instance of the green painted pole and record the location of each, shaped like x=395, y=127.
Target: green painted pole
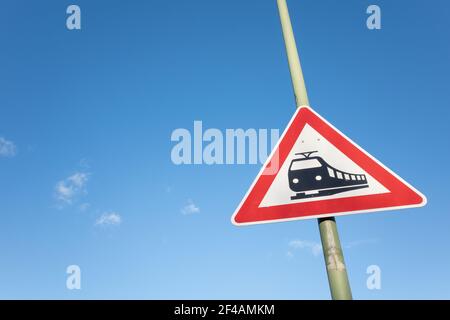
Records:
x=334, y=260
x=332, y=250
x=298, y=82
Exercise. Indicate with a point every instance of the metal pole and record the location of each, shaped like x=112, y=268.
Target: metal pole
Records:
x=332, y=250
x=298, y=82
x=334, y=260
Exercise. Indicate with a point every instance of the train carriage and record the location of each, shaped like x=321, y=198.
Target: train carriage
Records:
x=311, y=176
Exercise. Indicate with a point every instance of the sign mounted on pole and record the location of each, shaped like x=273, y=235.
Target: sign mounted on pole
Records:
x=316, y=171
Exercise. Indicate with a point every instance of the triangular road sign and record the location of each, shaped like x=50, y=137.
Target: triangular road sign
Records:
x=316, y=171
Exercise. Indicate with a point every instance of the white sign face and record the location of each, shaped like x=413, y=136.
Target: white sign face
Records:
x=341, y=168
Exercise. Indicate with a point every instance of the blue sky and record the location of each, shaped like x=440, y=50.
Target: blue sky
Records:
x=86, y=118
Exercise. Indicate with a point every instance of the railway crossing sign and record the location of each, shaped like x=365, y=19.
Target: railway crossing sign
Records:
x=316, y=171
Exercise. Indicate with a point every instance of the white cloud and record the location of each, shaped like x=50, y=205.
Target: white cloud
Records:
x=7, y=148
x=314, y=247
x=84, y=163
x=68, y=189
x=358, y=243
x=84, y=206
x=190, y=208
x=109, y=218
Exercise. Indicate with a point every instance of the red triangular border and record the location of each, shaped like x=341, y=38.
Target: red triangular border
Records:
x=401, y=195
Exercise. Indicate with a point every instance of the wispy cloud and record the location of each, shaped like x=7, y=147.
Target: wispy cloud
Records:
x=7, y=148
x=84, y=206
x=84, y=164
x=358, y=243
x=68, y=189
x=190, y=208
x=289, y=255
x=314, y=248
x=109, y=219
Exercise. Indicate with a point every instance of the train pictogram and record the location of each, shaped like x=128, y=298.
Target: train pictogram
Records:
x=311, y=176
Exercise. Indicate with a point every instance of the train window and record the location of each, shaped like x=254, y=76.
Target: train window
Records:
x=347, y=176
x=353, y=177
x=302, y=164
x=358, y=177
x=363, y=177
x=331, y=172
x=339, y=174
